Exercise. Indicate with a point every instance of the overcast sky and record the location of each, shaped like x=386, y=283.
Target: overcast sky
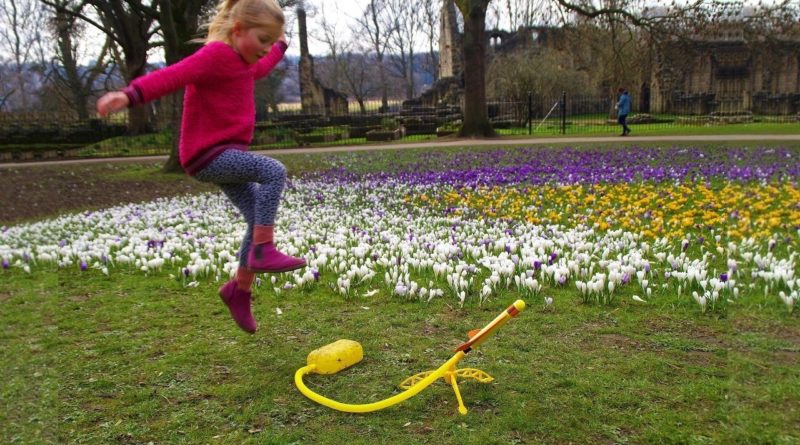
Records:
x=341, y=14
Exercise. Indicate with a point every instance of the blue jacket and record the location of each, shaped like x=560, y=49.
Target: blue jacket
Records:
x=624, y=104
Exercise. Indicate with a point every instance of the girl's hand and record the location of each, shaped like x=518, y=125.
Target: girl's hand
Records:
x=112, y=102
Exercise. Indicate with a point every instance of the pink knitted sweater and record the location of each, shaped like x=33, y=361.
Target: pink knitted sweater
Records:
x=218, y=104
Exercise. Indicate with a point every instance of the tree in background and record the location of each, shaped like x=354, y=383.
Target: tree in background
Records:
x=516, y=14
x=346, y=67
x=476, y=117
x=430, y=29
x=131, y=26
x=331, y=68
x=179, y=23
x=545, y=73
x=405, y=16
x=73, y=84
x=359, y=75
x=660, y=22
x=21, y=39
x=375, y=24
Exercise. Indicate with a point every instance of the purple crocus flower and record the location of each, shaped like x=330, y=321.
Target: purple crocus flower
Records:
x=723, y=277
x=316, y=274
x=84, y=266
x=6, y=265
x=185, y=271
x=537, y=264
x=626, y=278
x=562, y=279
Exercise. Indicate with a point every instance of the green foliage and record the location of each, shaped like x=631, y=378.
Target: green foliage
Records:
x=389, y=123
x=152, y=143
x=545, y=74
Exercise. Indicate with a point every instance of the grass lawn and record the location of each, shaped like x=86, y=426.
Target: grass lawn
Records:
x=138, y=359
x=552, y=129
x=143, y=358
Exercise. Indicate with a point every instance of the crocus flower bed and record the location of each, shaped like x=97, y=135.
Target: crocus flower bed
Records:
x=708, y=226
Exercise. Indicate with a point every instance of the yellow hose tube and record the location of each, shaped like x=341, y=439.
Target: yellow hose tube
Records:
x=344, y=353
x=375, y=406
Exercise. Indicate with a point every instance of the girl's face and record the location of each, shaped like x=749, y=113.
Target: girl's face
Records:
x=251, y=43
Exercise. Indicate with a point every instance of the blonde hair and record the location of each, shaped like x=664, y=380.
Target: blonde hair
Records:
x=264, y=14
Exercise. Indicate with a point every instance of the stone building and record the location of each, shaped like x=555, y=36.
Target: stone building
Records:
x=450, y=52
x=724, y=73
x=448, y=89
x=315, y=98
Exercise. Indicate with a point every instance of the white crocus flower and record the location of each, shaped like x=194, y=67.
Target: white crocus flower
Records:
x=787, y=300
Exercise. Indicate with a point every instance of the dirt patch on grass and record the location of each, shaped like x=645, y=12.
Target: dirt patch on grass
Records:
x=78, y=298
x=702, y=358
x=430, y=330
x=37, y=192
x=619, y=341
x=786, y=332
x=785, y=357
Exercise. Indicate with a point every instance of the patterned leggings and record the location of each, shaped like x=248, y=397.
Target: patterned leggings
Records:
x=253, y=183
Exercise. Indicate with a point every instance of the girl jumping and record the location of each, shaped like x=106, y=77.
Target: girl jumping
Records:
x=245, y=41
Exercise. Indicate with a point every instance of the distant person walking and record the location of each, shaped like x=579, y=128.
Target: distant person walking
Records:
x=623, y=109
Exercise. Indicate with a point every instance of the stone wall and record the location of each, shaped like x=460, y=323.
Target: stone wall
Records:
x=726, y=76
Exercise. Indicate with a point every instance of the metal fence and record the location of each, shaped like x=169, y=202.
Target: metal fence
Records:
x=40, y=136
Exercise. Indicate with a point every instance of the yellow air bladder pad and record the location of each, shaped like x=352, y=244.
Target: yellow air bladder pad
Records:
x=335, y=356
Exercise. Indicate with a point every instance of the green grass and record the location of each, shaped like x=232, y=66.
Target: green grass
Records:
x=132, y=359
x=89, y=359
x=550, y=130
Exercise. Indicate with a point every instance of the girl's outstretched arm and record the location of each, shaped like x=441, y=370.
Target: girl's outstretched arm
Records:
x=268, y=62
x=204, y=65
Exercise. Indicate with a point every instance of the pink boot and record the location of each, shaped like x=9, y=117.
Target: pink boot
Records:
x=238, y=302
x=266, y=258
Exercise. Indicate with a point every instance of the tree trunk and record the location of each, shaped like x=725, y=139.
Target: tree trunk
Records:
x=476, y=119
x=137, y=116
x=179, y=22
x=384, y=87
x=172, y=53
x=173, y=164
x=411, y=88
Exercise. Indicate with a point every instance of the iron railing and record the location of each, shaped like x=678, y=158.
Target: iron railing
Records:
x=39, y=136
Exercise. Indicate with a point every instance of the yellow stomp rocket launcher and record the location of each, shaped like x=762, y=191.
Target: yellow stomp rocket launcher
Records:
x=342, y=354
